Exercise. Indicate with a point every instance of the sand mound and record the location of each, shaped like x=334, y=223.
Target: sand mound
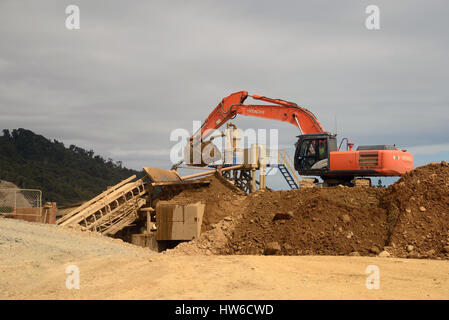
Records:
x=9, y=199
x=333, y=221
x=418, y=212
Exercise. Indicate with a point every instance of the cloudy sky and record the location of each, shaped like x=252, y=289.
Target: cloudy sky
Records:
x=136, y=70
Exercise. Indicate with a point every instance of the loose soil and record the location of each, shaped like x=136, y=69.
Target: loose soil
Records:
x=334, y=221
x=418, y=209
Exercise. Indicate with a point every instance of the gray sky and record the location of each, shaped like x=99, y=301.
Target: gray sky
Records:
x=136, y=70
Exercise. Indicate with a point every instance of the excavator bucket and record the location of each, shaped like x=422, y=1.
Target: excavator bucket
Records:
x=201, y=156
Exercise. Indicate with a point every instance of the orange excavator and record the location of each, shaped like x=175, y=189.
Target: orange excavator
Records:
x=316, y=152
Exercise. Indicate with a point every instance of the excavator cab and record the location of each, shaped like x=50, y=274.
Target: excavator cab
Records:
x=317, y=154
x=312, y=153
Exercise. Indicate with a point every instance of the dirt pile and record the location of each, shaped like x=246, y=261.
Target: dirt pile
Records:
x=331, y=221
x=408, y=219
x=7, y=185
x=9, y=199
x=418, y=212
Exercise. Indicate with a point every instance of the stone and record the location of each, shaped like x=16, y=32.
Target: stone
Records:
x=446, y=249
x=228, y=218
x=349, y=235
x=384, y=254
x=252, y=251
x=272, y=248
x=410, y=248
x=375, y=250
x=408, y=210
x=345, y=218
x=412, y=255
x=283, y=215
x=354, y=254
x=422, y=209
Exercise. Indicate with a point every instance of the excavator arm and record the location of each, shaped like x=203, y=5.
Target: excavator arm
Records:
x=233, y=105
x=330, y=163
x=280, y=110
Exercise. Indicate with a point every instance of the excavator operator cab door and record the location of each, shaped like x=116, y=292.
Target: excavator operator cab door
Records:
x=312, y=153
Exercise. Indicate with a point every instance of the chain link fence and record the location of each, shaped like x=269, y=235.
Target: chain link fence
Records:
x=21, y=201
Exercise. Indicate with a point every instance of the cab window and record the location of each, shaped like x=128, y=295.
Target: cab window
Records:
x=312, y=151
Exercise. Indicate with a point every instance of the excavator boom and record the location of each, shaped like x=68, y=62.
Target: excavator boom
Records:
x=279, y=110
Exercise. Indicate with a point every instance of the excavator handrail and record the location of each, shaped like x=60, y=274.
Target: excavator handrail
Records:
x=287, y=160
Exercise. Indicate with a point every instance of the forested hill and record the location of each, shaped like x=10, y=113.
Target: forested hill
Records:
x=65, y=175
